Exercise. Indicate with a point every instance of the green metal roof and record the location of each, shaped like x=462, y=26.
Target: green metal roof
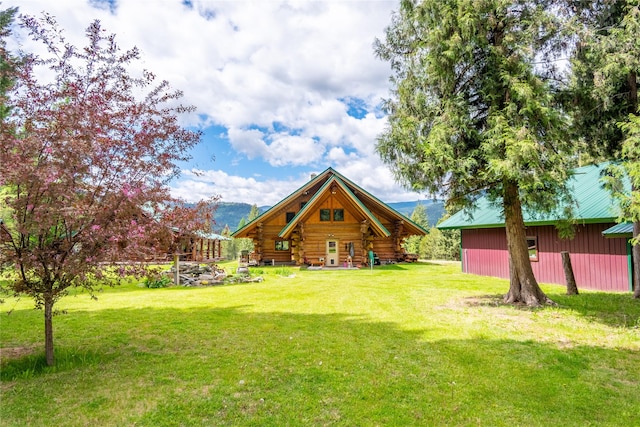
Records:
x=307, y=186
x=211, y=236
x=594, y=205
x=372, y=218
x=359, y=193
x=311, y=205
x=624, y=229
x=354, y=191
x=203, y=235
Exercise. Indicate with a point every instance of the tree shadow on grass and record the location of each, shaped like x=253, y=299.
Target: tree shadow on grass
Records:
x=28, y=362
x=239, y=366
x=611, y=309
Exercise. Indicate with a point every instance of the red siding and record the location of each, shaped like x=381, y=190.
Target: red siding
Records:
x=598, y=263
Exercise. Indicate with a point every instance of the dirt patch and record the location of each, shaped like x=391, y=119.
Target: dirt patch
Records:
x=484, y=301
x=15, y=352
x=475, y=301
x=496, y=300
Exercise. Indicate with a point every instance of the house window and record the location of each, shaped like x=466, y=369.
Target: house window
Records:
x=325, y=214
x=532, y=245
x=302, y=204
x=338, y=214
x=282, y=245
x=290, y=216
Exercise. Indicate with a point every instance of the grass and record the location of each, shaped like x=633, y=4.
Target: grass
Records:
x=417, y=344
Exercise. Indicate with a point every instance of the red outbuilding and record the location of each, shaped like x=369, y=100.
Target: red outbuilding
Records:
x=600, y=250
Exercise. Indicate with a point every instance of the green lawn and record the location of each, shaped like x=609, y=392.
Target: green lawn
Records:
x=418, y=344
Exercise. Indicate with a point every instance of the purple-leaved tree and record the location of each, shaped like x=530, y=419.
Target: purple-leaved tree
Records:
x=88, y=147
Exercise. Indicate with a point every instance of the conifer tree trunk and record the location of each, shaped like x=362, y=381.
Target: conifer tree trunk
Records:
x=635, y=255
x=523, y=288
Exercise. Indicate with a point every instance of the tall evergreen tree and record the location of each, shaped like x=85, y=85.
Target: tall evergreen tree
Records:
x=253, y=213
x=419, y=216
x=7, y=79
x=229, y=247
x=603, y=87
x=7, y=61
x=470, y=115
x=604, y=96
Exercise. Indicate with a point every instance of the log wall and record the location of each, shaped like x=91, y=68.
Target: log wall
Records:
x=309, y=240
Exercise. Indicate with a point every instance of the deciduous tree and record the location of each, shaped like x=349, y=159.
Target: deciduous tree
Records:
x=470, y=113
x=234, y=246
x=87, y=150
x=419, y=216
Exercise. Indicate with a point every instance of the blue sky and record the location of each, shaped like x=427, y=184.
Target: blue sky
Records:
x=283, y=89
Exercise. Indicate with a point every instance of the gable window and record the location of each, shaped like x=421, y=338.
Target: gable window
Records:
x=338, y=214
x=532, y=245
x=282, y=245
x=290, y=216
x=325, y=214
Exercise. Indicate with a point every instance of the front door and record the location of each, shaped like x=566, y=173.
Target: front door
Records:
x=332, y=254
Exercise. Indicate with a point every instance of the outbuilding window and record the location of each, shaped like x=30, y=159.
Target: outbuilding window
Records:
x=532, y=245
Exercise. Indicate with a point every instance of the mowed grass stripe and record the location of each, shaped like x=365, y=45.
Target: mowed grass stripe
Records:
x=416, y=344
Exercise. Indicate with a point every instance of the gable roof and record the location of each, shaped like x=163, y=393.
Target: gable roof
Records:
x=594, y=205
x=357, y=198
x=336, y=183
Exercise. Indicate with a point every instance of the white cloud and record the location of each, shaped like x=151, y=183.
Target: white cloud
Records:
x=248, y=142
x=293, y=150
x=198, y=185
x=277, y=75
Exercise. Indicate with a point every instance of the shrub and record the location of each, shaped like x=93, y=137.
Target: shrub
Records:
x=283, y=271
x=156, y=280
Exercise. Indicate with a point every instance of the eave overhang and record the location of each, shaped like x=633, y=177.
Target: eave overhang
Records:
x=311, y=205
x=593, y=205
x=244, y=231
x=444, y=225
x=622, y=230
x=367, y=198
x=359, y=198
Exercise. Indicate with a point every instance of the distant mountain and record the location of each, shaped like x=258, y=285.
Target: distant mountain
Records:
x=435, y=209
x=230, y=213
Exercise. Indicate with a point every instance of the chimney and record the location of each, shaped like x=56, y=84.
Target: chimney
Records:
x=313, y=175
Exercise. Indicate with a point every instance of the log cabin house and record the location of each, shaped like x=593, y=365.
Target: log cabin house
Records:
x=600, y=251
x=329, y=221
